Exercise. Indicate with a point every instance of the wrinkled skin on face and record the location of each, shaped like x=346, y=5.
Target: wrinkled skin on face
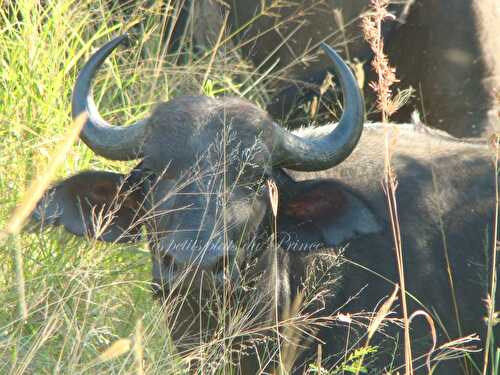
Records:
x=217, y=203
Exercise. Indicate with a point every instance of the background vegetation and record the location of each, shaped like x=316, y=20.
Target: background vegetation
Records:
x=88, y=306
x=69, y=306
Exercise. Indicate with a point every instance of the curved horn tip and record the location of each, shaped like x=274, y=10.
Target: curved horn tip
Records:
x=314, y=154
x=330, y=51
x=116, y=143
x=120, y=39
x=124, y=37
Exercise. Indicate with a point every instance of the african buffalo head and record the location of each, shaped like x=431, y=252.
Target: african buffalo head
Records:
x=201, y=186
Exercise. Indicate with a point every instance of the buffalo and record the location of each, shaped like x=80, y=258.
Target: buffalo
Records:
x=445, y=50
x=201, y=191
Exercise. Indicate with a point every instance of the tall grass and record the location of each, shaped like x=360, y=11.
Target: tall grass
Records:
x=492, y=315
x=72, y=306
x=72, y=299
x=387, y=105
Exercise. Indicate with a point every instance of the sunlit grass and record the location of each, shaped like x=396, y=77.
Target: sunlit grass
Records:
x=69, y=305
x=80, y=297
x=72, y=306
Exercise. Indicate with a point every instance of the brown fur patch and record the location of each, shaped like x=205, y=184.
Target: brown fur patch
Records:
x=317, y=203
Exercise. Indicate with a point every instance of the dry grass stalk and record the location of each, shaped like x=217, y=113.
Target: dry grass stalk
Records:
x=138, y=348
x=28, y=203
x=375, y=323
x=273, y=197
x=291, y=345
x=432, y=326
x=20, y=283
x=115, y=350
x=387, y=105
x=390, y=187
x=214, y=51
x=319, y=356
x=491, y=321
x=40, y=184
x=339, y=20
x=372, y=30
x=382, y=313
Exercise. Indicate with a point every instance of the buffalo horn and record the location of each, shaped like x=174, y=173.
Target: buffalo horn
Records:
x=111, y=142
x=319, y=153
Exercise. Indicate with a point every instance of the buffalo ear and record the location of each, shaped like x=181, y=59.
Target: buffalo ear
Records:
x=94, y=204
x=317, y=214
